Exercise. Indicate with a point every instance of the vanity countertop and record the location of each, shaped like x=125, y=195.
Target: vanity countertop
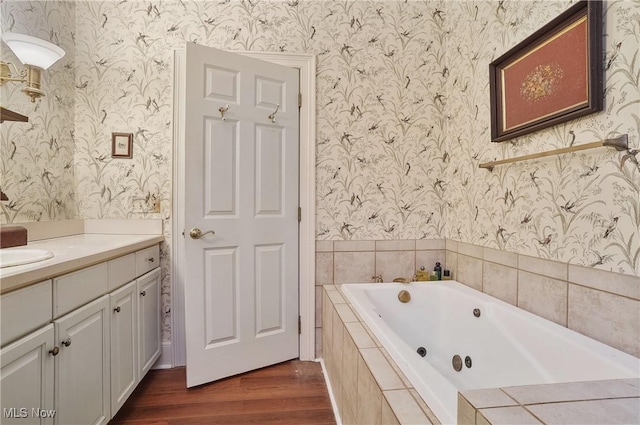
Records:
x=72, y=253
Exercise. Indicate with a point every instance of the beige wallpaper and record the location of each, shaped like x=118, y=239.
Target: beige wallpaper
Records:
x=403, y=121
x=36, y=161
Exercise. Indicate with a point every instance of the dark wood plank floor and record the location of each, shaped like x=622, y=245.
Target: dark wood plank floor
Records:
x=292, y=392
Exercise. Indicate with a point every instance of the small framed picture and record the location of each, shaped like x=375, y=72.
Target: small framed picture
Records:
x=121, y=145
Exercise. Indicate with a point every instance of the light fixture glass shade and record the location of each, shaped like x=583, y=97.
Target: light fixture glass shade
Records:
x=32, y=50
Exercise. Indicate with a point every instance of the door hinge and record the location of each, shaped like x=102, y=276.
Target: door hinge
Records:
x=299, y=214
x=299, y=325
x=299, y=100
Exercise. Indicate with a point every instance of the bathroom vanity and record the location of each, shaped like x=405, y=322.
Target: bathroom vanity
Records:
x=79, y=331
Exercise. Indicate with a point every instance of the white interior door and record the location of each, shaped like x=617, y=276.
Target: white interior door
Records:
x=241, y=173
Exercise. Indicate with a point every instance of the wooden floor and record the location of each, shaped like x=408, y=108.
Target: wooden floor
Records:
x=292, y=392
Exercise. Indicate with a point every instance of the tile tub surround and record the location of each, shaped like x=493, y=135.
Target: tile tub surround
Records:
x=599, y=304
x=599, y=402
x=369, y=388
x=602, y=305
x=357, y=261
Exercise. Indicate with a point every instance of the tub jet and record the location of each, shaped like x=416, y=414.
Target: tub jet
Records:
x=467, y=361
x=422, y=351
x=476, y=312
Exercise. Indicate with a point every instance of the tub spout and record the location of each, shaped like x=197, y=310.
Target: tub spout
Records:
x=402, y=280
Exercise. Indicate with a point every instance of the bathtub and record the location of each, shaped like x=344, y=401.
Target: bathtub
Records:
x=505, y=345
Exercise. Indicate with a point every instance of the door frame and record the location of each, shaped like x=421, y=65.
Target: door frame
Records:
x=306, y=64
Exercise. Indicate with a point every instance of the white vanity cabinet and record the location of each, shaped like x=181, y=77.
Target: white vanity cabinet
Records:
x=27, y=379
x=82, y=367
x=148, y=320
x=75, y=347
x=124, y=344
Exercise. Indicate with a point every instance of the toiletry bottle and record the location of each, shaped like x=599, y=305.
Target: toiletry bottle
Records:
x=438, y=270
x=446, y=274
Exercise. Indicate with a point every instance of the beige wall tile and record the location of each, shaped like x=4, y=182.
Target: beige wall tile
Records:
x=509, y=416
x=428, y=244
x=573, y=391
x=500, y=281
x=470, y=250
x=354, y=246
x=369, y=397
x=388, y=418
x=336, y=297
x=353, y=267
x=318, y=343
x=393, y=264
x=428, y=259
x=617, y=283
x=451, y=245
x=324, y=268
x=350, y=371
x=381, y=370
x=324, y=246
x=346, y=313
x=609, y=318
x=481, y=420
x=349, y=416
x=359, y=335
x=451, y=263
x=466, y=412
x=396, y=368
x=337, y=349
x=543, y=296
x=318, y=317
x=425, y=409
x=470, y=271
x=617, y=411
x=492, y=397
x=499, y=256
x=553, y=269
x=327, y=315
x=405, y=407
x=396, y=245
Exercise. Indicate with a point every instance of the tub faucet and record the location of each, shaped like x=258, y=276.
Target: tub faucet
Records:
x=377, y=278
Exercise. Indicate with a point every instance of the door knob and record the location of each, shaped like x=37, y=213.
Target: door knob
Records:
x=196, y=233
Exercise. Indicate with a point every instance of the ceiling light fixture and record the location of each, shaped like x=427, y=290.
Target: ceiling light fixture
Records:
x=36, y=54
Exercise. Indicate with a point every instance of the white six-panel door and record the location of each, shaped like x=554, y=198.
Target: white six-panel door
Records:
x=241, y=173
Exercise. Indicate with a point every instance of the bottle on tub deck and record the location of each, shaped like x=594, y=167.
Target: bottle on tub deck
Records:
x=438, y=270
x=422, y=275
x=446, y=274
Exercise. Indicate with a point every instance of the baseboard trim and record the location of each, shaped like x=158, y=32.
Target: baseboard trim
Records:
x=165, y=360
x=334, y=405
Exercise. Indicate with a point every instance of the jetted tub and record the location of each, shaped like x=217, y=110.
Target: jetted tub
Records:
x=505, y=345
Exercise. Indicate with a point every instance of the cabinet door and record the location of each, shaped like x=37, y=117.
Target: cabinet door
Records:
x=124, y=344
x=149, y=319
x=26, y=379
x=82, y=367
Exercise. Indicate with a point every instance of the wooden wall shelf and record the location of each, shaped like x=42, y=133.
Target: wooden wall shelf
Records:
x=8, y=115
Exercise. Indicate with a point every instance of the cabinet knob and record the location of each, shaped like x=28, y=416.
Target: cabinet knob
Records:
x=143, y=293
x=54, y=351
x=117, y=309
x=66, y=342
x=150, y=259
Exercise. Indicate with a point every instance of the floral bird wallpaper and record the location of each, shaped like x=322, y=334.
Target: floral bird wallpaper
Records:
x=37, y=158
x=402, y=116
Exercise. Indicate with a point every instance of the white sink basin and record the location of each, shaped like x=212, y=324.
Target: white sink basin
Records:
x=19, y=256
